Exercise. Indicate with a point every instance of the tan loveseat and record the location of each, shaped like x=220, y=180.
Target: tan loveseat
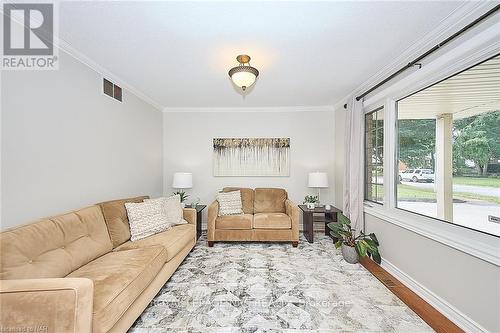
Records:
x=268, y=216
x=79, y=272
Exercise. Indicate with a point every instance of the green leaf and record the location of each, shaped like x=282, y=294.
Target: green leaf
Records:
x=371, y=243
x=361, y=247
x=342, y=219
x=338, y=244
x=334, y=234
x=333, y=225
x=376, y=257
x=374, y=238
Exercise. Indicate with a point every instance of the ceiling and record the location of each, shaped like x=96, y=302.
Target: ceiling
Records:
x=308, y=53
x=471, y=92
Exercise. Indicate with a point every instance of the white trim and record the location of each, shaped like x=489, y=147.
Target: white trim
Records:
x=448, y=310
x=482, y=46
x=390, y=150
x=474, y=243
x=311, y=108
x=463, y=15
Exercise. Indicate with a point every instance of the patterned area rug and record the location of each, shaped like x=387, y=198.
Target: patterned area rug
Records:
x=273, y=287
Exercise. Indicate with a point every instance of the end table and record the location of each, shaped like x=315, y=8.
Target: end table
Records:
x=308, y=219
x=198, y=208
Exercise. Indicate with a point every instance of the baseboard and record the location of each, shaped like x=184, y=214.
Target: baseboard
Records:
x=448, y=310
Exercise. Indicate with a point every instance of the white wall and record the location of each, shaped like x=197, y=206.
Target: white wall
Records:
x=188, y=147
x=65, y=145
x=469, y=284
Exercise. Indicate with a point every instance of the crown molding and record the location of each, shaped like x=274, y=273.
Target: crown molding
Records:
x=457, y=19
x=321, y=108
x=67, y=48
x=89, y=62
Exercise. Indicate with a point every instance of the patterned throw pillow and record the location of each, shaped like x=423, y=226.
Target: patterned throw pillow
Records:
x=230, y=203
x=172, y=209
x=146, y=219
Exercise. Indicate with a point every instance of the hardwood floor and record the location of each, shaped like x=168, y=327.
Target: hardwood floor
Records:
x=431, y=316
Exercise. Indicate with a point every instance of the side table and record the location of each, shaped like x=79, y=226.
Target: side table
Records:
x=308, y=219
x=199, y=209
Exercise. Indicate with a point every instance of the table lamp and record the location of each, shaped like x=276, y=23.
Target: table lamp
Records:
x=318, y=180
x=182, y=180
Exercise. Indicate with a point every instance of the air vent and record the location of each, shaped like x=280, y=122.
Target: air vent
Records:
x=112, y=90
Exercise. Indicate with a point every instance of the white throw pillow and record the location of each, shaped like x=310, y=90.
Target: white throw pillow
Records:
x=145, y=219
x=230, y=203
x=172, y=209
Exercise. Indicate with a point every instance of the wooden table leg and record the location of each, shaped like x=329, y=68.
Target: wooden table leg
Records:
x=198, y=224
x=307, y=220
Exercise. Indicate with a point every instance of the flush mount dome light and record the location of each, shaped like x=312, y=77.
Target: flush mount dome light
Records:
x=243, y=75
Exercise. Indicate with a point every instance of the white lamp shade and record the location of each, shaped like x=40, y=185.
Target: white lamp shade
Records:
x=318, y=179
x=182, y=180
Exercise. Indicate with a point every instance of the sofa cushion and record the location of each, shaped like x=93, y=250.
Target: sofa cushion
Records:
x=237, y=222
x=246, y=197
x=146, y=219
x=172, y=208
x=119, y=278
x=270, y=200
x=173, y=240
x=229, y=203
x=55, y=246
x=272, y=221
x=116, y=219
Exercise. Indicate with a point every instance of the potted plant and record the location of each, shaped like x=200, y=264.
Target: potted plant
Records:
x=311, y=200
x=353, y=247
x=183, y=196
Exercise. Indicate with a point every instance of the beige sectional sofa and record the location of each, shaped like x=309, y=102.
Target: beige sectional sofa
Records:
x=268, y=216
x=79, y=272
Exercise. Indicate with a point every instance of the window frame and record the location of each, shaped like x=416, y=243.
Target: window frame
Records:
x=365, y=132
x=472, y=51
x=396, y=142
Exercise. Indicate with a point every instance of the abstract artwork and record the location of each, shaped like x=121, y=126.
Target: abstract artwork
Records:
x=251, y=157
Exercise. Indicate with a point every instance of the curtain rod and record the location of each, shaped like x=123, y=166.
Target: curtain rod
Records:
x=432, y=50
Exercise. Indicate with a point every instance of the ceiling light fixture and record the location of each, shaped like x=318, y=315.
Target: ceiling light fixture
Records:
x=243, y=75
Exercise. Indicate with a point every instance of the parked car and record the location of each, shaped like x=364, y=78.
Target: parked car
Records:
x=417, y=175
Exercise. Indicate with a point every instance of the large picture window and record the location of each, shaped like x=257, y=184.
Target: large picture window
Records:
x=449, y=149
x=374, y=153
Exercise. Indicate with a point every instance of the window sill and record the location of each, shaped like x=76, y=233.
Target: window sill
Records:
x=471, y=242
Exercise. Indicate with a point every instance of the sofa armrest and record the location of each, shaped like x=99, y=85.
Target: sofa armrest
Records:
x=189, y=214
x=292, y=210
x=213, y=212
x=47, y=305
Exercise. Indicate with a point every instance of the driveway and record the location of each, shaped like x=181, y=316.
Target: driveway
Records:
x=481, y=190
x=472, y=214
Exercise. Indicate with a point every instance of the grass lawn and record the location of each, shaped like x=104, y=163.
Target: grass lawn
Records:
x=412, y=192
x=477, y=181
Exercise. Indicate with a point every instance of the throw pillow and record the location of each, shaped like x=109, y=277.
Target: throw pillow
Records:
x=145, y=219
x=230, y=203
x=172, y=209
